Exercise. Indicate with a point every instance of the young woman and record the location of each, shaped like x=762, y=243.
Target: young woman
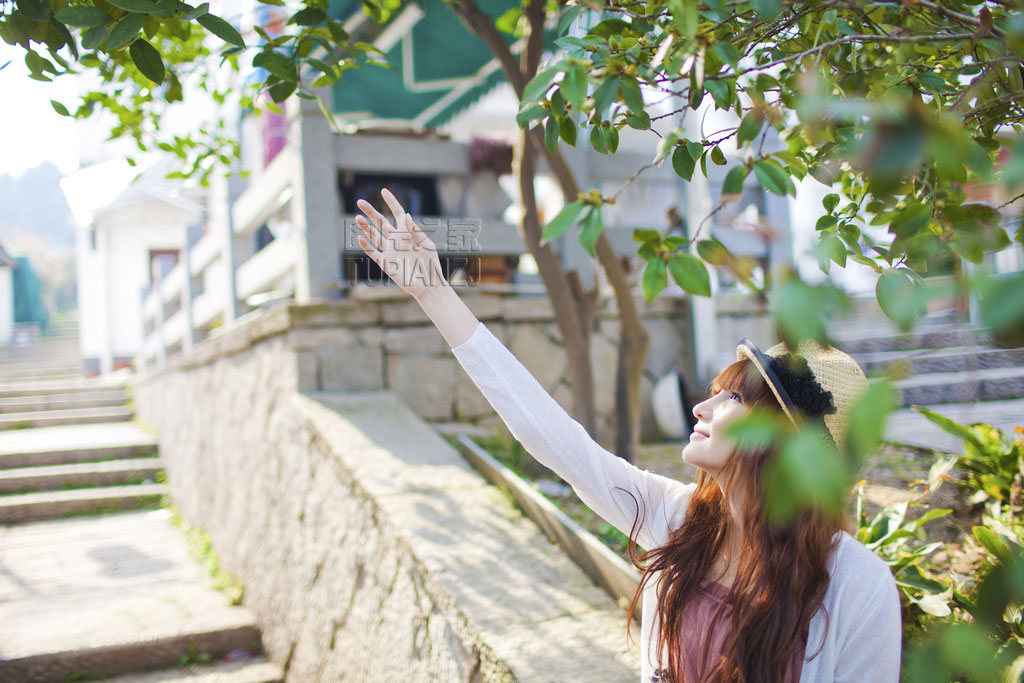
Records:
x=726, y=594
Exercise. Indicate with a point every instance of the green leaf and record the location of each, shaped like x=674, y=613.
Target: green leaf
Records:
x=690, y=274
x=530, y=114
x=574, y=85
x=148, y=60
x=125, y=31
x=992, y=543
x=757, y=429
x=721, y=92
x=83, y=15
x=221, y=29
x=277, y=64
x=717, y=156
x=94, y=37
x=695, y=149
x=771, y=177
x=685, y=15
x=750, y=126
x=36, y=10
x=629, y=90
x=713, y=251
x=565, y=219
x=141, y=6
x=538, y=85
x=604, y=96
x=568, y=130
x=654, y=279
x=551, y=134
x=565, y=21
x=682, y=163
x=806, y=473
x=767, y=9
x=59, y=108
x=592, y=228
x=867, y=418
x=598, y=140
x=195, y=12
x=947, y=425
x=901, y=298
x=732, y=186
x=611, y=139
x=309, y=16
x=830, y=202
x=825, y=222
x=281, y=90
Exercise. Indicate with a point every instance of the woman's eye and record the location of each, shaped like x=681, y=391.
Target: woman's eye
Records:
x=736, y=397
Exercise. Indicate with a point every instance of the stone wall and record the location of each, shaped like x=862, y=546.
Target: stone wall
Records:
x=386, y=342
x=366, y=545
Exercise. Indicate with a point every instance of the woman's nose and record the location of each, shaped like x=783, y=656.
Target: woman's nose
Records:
x=702, y=411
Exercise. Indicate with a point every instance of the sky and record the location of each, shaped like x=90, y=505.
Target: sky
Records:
x=31, y=132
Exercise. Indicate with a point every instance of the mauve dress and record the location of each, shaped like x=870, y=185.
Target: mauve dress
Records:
x=699, y=625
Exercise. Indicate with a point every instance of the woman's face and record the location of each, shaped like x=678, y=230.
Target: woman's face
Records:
x=709, y=447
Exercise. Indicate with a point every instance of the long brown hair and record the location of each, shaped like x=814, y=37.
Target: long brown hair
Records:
x=782, y=574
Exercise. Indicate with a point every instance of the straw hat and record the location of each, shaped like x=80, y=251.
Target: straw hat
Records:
x=834, y=383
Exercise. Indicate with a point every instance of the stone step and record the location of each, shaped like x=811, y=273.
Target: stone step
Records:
x=74, y=443
x=997, y=384
x=910, y=427
x=20, y=373
x=254, y=670
x=105, y=596
x=930, y=361
x=67, y=365
x=45, y=388
x=54, y=477
x=84, y=399
x=940, y=337
x=68, y=416
x=32, y=507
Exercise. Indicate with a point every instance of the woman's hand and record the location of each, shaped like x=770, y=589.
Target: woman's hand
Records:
x=402, y=250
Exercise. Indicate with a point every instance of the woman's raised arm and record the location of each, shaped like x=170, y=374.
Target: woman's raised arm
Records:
x=409, y=257
x=613, y=488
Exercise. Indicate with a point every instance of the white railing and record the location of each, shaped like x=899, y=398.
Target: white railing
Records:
x=208, y=287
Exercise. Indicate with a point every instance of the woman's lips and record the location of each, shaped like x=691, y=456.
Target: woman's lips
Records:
x=696, y=433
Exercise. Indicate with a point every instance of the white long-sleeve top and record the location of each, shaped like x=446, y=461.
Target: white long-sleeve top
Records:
x=855, y=636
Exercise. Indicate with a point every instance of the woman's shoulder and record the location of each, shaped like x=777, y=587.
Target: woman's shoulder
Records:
x=853, y=563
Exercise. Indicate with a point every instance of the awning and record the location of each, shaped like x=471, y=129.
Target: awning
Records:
x=442, y=68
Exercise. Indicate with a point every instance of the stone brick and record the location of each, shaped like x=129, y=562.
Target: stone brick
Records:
x=427, y=384
x=531, y=344
x=419, y=340
x=526, y=308
x=469, y=402
x=308, y=371
x=304, y=339
x=354, y=368
x=402, y=312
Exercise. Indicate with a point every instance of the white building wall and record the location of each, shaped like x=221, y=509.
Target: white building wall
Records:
x=113, y=275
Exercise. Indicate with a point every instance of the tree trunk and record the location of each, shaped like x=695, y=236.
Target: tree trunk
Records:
x=634, y=338
x=573, y=310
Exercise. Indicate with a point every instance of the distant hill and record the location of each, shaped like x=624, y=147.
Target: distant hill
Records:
x=34, y=204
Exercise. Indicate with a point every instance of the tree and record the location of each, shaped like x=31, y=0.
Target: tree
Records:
x=899, y=105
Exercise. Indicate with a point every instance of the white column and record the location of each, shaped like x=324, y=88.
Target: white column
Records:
x=315, y=204
x=703, y=318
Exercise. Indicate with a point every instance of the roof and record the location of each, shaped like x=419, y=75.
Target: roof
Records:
x=440, y=67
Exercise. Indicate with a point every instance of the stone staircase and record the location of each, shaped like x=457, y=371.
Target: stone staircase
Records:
x=95, y=581
x=948, y=367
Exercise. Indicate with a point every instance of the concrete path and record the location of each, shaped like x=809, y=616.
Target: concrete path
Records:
x=100, y=590
x=87, y=595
